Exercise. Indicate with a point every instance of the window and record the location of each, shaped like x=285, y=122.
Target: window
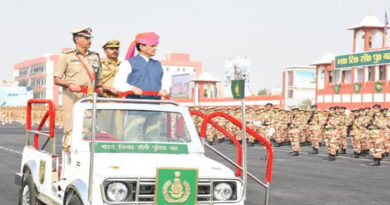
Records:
x=370, y=72
x=178, y=69
x=194, y=70
x=290, y=78
x=330, y=73
x=382, y=72
x=136, y=126
x=337, y=76
x=23, y=72
x=23, y=83
x=360, y=75
x=290, y=94
x=346, y=76
x=40, y=95
x=167, y=69
x=321, y=78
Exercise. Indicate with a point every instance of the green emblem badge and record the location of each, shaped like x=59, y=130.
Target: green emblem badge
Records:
x=238, y=89
x=356, y=87
x=42, y=167
x=378, y=87
x=336, y=89
x=176, y=186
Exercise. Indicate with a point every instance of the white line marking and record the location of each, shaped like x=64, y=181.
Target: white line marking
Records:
x=10, y=150
x=343, y=157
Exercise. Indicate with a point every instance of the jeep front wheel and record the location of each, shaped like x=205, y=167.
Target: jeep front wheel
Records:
x=28, y=194
x=74, y=200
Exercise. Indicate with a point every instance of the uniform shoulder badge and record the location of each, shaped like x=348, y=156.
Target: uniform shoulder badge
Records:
x=67, y=50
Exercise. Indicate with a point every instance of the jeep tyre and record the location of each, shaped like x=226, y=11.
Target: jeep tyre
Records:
x=28, y=194
x=74, y=200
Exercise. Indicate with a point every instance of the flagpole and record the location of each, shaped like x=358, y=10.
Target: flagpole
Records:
x=238, y=92
x=244, y=146
x=244, y=143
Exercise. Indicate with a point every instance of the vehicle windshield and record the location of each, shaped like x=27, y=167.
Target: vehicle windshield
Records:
x=136, y=126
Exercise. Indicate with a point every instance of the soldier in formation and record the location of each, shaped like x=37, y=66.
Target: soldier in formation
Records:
x=368, y=129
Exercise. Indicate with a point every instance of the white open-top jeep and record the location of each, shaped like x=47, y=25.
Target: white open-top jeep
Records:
x=143, y=152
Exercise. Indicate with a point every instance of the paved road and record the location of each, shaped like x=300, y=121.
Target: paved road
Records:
x=303, y=180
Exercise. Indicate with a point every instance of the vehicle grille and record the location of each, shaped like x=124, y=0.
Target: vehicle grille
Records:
x=145, y=190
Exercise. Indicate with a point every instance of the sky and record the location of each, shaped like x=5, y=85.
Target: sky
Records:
x=274, y=33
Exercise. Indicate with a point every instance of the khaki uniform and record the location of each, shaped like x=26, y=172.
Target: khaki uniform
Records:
x=330, y=135
x=109, y=69
x=377, y=137
x=71, y=69
x=294, y=133
x=315, y=134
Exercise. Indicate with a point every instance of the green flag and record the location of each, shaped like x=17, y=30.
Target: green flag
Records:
x=238, y=89
x=176, y=186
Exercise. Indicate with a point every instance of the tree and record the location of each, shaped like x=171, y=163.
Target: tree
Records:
x=263, y=91
x=304, y=105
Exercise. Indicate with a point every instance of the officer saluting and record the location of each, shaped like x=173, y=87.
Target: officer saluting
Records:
x=74, y=71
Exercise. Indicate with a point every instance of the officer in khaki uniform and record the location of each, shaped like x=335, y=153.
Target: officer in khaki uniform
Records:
x=74, y=71
x=110, y=67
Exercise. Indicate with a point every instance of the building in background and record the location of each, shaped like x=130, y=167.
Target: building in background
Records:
x=38, y=75
x=179, y=64
x=237, y=68
x=15, y=95
x=360, y=78
x=299, y=84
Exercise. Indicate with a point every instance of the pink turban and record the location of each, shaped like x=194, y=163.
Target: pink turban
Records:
x=149, y=38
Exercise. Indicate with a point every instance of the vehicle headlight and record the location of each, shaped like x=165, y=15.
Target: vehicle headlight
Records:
x=117, y=191
x=223, y=191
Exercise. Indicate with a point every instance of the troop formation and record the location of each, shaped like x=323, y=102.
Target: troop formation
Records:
x=368, y=129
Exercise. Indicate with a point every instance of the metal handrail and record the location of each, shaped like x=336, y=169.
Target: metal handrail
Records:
x=236, y=165
x=230, y=136
x=267, y=145
x=50, y=113
x=130, y=101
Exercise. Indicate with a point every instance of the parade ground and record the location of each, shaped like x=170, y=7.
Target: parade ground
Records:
x=303, y=180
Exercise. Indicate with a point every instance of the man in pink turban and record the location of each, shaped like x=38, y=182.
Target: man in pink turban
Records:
x=141, y=72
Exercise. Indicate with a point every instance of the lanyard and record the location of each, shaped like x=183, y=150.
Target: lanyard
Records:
x=90, y=75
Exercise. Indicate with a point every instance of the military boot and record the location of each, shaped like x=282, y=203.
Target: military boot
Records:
x=210, y=142
x=376, y=162
x=355, y=155
x=315, y=151
x=276, y=144
x=330, y=158
x=337, y=153
x=294, y=153
x=343, y=151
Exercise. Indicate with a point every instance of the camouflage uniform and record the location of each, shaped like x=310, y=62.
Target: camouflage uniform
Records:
x=294, y=135
x=330, y=135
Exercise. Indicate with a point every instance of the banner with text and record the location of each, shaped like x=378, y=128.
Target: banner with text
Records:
x=363, y=59
x=180, y=86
